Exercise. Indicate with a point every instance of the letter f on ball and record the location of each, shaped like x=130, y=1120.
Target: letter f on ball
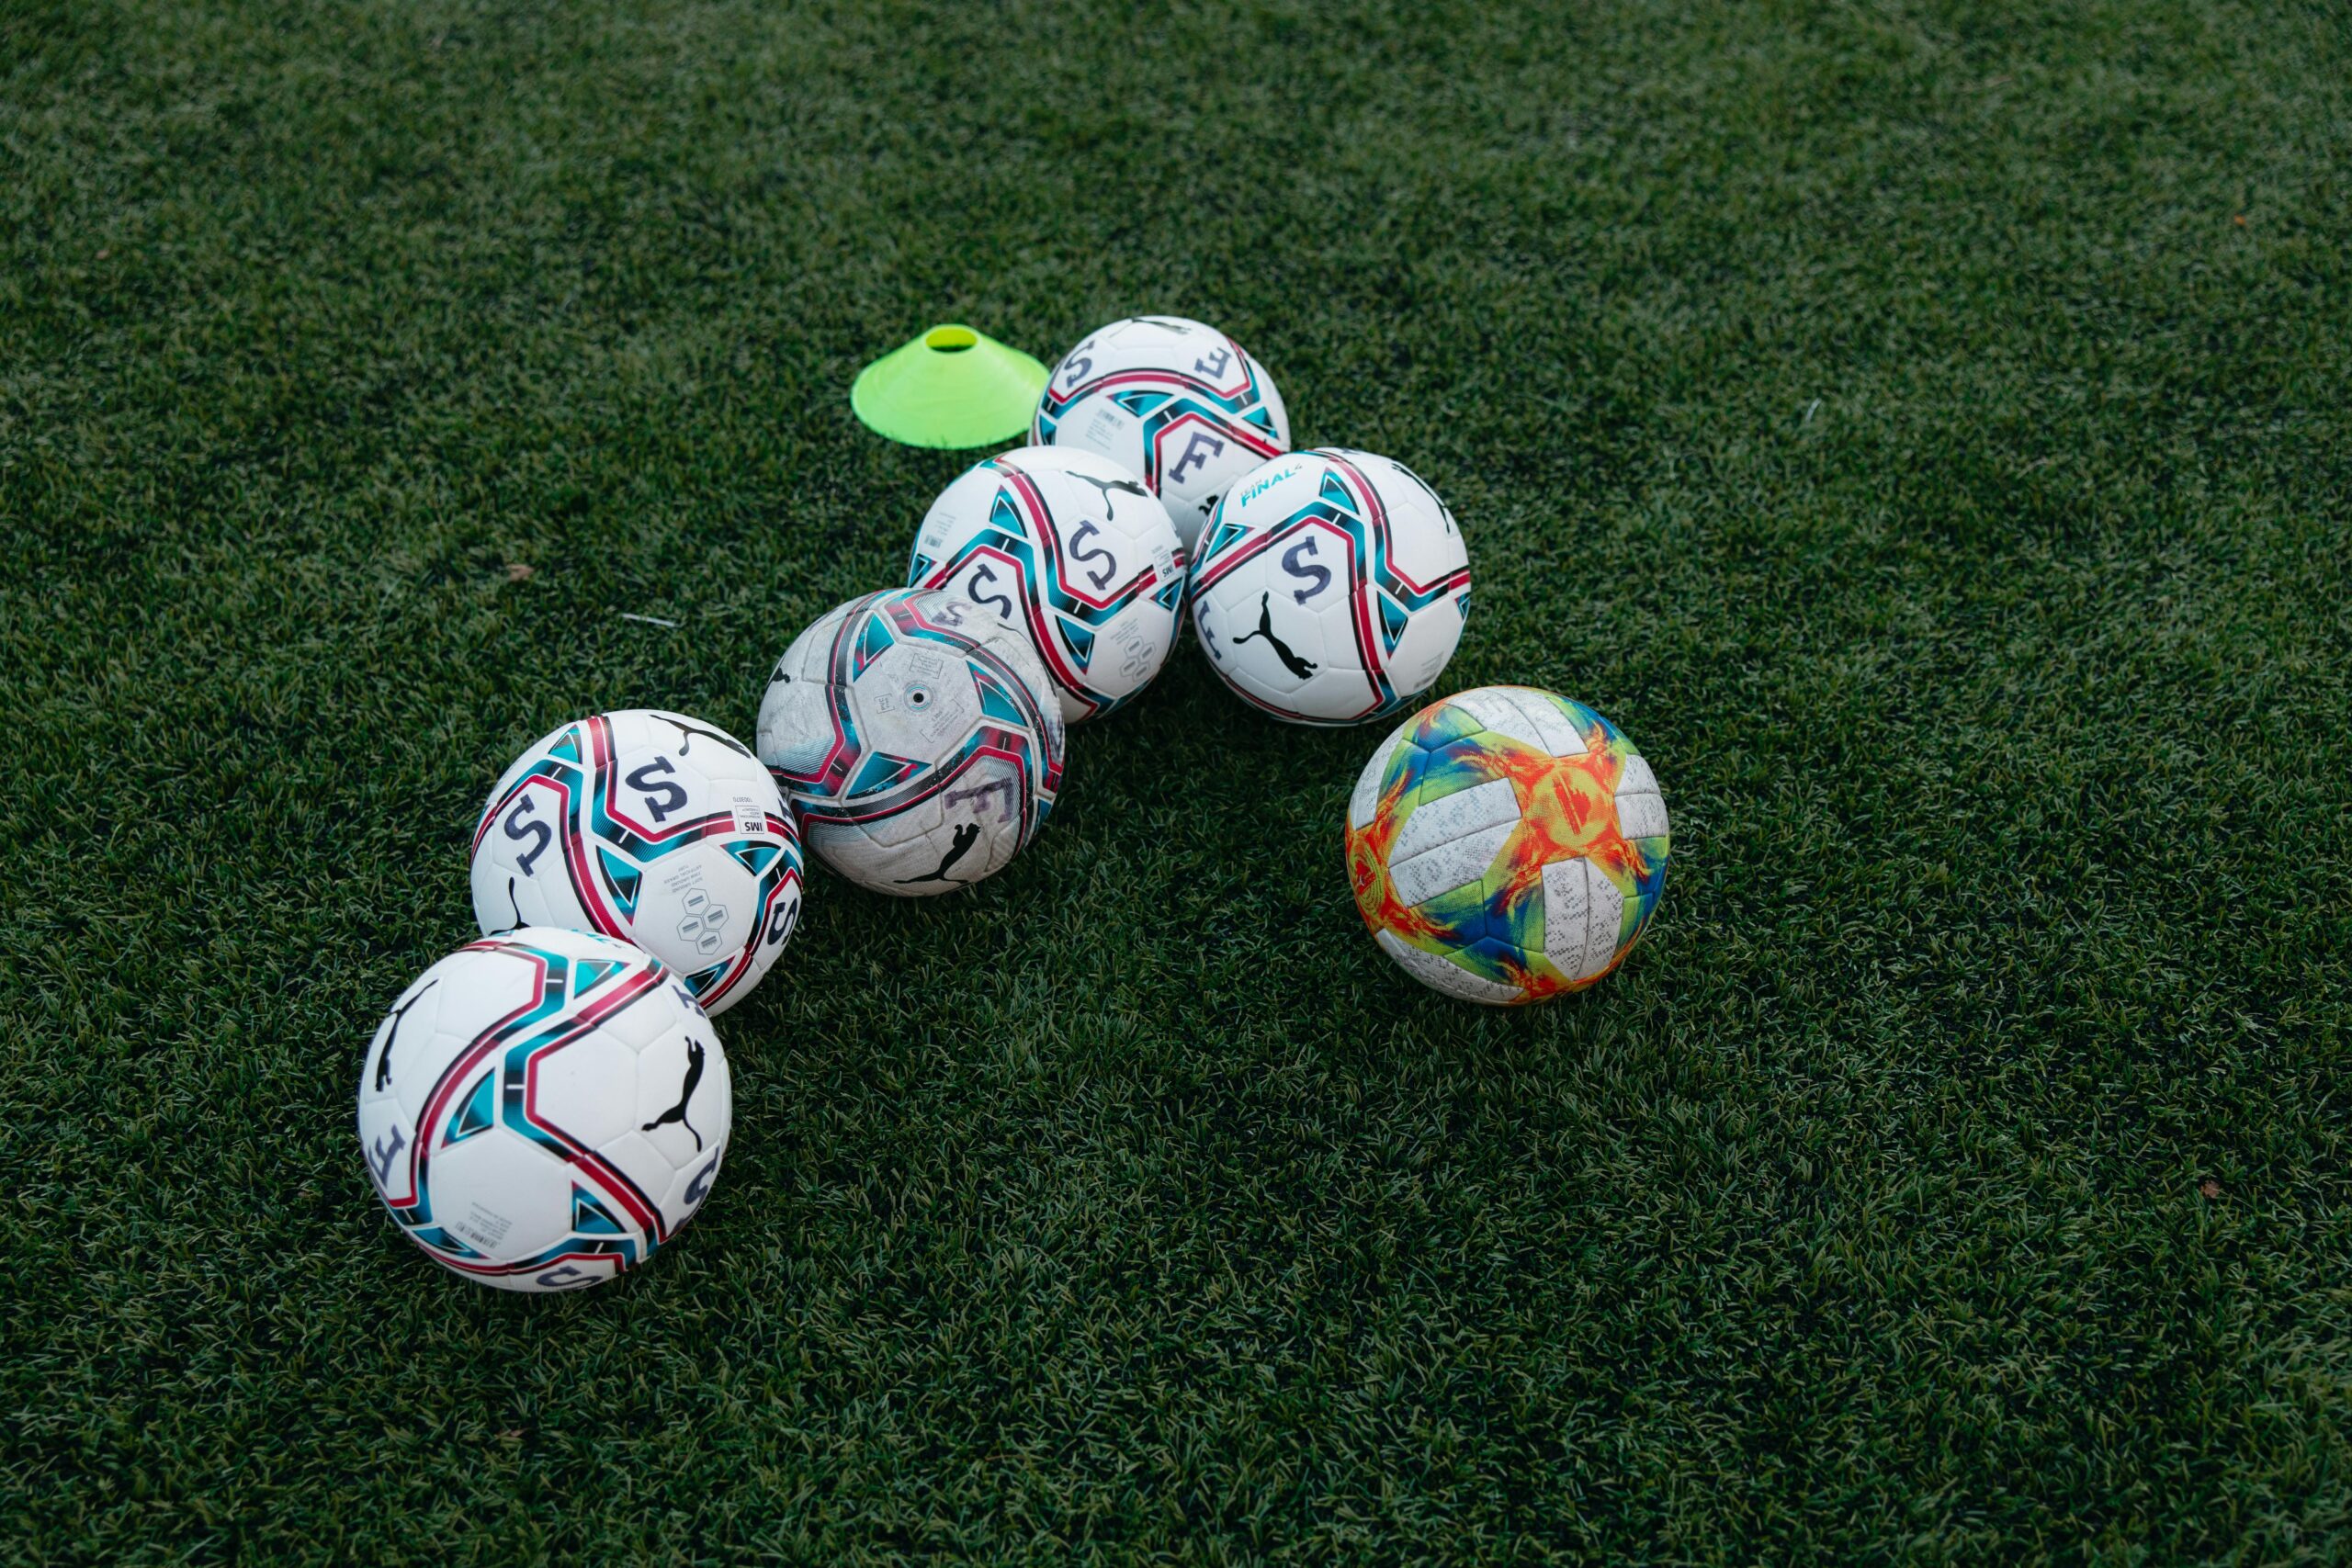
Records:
x=1197, y=452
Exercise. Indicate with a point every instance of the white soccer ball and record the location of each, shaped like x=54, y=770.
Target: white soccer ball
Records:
x=1330, y=587
x=918, y=735
x=650, y=827
x=1170, y=400
x=1070, y=549
x=543, y=1108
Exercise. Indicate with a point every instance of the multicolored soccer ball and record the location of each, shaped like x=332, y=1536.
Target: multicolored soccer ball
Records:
x=650, y=827
x=1505, y=845
x=919, y=737
x=1330, y=587
x=543, y=1108
x=1170, y=400
x=1070, y=550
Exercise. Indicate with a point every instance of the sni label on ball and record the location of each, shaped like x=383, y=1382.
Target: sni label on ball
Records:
x=748, y=816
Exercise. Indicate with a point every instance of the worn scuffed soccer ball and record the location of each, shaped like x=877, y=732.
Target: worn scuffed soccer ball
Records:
x=1505, y=845
x=1330, y=587
x=918, y=735
x=1070, y=550
x=543, y=1108
x=1170, y=400
x=650, y=827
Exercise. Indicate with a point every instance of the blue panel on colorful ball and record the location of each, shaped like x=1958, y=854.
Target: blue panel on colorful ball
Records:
x=919, y=738
x=651, y=827
x=1330, y=587
x=543, y=1108
x=1171, y=400
x=1069, y=550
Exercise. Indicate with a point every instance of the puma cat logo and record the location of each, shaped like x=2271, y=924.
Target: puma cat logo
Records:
x=685, y=1092
x=966, y=837
x=1291, y=661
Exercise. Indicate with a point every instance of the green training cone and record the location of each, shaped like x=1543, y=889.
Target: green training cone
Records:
x=950, y=388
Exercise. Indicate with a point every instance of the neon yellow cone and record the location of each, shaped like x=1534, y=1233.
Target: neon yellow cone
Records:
x=950, y=388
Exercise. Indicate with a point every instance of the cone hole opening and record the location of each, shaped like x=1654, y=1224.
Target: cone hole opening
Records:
x=950, y=340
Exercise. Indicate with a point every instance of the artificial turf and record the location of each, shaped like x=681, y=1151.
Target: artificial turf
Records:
x=1922, y=426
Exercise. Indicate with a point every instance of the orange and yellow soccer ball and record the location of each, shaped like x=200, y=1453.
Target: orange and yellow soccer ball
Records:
x=1505, y=845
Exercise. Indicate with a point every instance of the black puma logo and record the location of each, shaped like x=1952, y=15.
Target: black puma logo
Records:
x=1124, y=487
x=966, y=837
x=1291, y=661
x=686, y=1091
x=384, y=1058
x=515, y=904
x=687, y=733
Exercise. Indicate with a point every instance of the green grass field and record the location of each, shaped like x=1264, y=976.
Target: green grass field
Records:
x=1924, y=429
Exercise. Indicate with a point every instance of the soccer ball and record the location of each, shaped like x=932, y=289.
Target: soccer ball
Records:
x=1175, y=402
x=1330, y=587
x=1505, y=845
x=650, y=827
x=1070, y=549
x=918, y=735
x=543, y=1108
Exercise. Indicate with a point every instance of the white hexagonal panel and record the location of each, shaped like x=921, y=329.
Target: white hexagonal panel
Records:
x=587, y=1087
x=504, y=1197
